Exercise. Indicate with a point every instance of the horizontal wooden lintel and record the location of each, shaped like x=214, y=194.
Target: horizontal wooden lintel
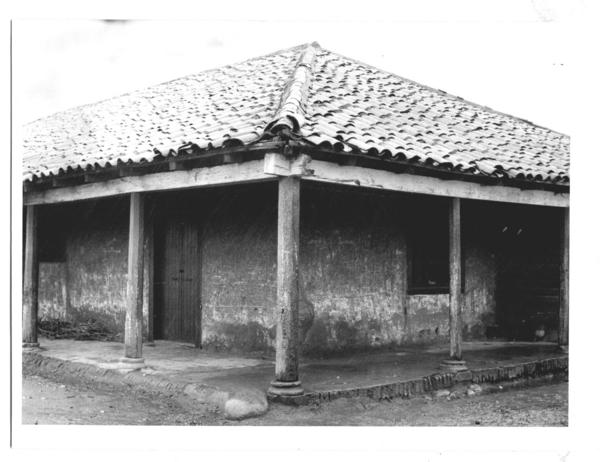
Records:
x=329, y=172
x=276, y=164
x=246, y=172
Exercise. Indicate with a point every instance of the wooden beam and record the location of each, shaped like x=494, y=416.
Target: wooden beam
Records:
x=563, y=318
x=30, y=279
x=328, y=172
x=246, y=172
x=233, y=157
x=175, y=165
x=135, y=281
x=286, y=381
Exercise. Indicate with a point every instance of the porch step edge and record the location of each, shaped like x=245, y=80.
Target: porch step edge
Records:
x=410, y=388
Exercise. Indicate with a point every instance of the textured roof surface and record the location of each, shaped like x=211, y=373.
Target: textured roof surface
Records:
x=308, y=94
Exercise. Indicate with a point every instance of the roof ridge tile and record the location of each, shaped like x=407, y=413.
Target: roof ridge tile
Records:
x=291, y=112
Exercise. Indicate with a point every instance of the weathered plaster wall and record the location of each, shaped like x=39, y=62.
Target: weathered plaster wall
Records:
x=239, y=262
x=91, y=282
x=52, y=291
x=97, y=264
x=353, y=256
x=353, y=251
x=427, y=315
x=479, y=299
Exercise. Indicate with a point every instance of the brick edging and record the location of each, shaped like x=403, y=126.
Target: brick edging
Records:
x=429, y=383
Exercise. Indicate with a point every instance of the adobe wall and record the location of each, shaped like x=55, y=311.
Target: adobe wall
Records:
x=353, y=256
x=239, y=267
x=91, y=281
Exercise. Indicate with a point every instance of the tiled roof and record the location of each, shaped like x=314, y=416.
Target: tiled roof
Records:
x=310, y=95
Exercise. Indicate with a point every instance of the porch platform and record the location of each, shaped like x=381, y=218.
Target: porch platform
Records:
x=407, y=371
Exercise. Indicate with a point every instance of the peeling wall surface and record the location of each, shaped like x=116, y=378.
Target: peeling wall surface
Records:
x=52, y=291
x=96, y=255
x=91, y=281
x=354, y=252
x=239, y=267
x=352, y=258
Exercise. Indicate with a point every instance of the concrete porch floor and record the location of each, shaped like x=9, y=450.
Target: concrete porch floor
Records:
x=182, y=364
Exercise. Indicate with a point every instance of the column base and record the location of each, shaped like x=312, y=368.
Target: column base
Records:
x=453, y=365
x=31, y=346
x=131, y=363
x=278, y=388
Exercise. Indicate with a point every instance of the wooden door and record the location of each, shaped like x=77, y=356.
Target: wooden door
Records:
x=179, y=310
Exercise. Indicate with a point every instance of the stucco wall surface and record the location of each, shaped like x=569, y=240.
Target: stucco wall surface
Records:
x=353, y=260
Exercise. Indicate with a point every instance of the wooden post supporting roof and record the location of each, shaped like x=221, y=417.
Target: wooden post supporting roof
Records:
x=286, y=381
x=135, y=283
x=455, y=361
x=30, y=280
x=149, y=272
x=563, y=316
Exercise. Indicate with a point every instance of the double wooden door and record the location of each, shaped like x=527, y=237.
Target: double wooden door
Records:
x=178, y=306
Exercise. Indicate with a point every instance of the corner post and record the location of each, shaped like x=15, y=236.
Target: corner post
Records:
x=455, y=362
x=287, y=381
x=30, y=279
x=135, y=284
x=563, y=315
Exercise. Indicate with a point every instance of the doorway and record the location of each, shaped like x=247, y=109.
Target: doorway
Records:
x=177, y=284
x=528, y=275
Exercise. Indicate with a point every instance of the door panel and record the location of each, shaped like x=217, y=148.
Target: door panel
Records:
x=178, y=282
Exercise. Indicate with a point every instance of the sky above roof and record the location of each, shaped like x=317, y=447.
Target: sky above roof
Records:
x=511, y=65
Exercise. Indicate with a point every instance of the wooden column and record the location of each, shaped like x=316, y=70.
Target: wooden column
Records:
x=455, y=361
x=30, y=279
x=149, y=272
x=563, y=315
x=286, y=381
x=135, y=283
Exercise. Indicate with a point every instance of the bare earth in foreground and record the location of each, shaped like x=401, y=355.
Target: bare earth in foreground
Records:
x=49, y=402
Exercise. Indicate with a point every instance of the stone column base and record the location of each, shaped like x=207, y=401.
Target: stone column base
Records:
x=278, y=388
x=453, y=365
x=131, y=363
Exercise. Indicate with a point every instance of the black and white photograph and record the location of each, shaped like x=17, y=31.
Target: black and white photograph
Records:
x=308, y=222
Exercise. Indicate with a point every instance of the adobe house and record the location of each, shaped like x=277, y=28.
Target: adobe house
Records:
x=301, y=202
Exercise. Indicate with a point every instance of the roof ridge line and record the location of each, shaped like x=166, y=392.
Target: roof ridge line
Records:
x=291, y=113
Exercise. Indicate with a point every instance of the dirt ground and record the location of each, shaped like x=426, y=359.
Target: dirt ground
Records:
x=81, y=403
x=49, y=402
x=544, y=405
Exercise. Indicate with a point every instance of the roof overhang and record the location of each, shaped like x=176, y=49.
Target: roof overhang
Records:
x=276, y=164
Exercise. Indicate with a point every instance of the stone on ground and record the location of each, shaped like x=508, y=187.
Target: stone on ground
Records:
x=245, y=404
